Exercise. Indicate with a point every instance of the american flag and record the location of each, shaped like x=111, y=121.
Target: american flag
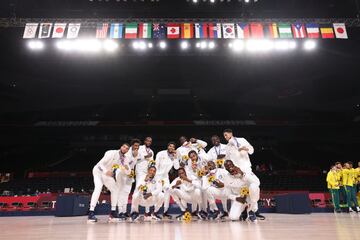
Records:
x=101, y=30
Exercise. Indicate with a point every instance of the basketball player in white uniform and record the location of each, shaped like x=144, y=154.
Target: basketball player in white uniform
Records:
x=104, y=174
x=134, y=156
x=238, y=150
x=198, y=163
x=165, y=161
x=185, y=189
x=148, y=194
x=186, y=146
x=214, y=188
x=143, y=163
x=218, y=151
x=235, y=181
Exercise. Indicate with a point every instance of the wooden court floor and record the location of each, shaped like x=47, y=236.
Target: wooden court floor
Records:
x=277, y=226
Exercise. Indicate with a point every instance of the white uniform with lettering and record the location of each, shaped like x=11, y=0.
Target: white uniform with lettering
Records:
x=154, y=187
x=186, y=193
x=233, y=185
x=212, y=191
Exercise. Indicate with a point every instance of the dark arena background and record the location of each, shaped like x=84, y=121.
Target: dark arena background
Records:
x=81, y=77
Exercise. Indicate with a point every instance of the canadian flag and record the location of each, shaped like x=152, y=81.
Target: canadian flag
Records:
x=340, y=30
x=173, y=30
x=59, y=30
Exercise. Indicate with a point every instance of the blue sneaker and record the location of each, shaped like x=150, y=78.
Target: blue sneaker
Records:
x=91, y=217
x=134, y=216
x=252, y=216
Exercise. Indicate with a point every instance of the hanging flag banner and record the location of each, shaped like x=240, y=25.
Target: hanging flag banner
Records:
x=159, y=31
x=215, y=30
x=145, y=30
x=313, y=30
x=73, y=30
x=257, y=30
x=271, y=30
x=45, y=30
x=187, y=30
x=131, y=30
x=327, y=32
x=59, y=30
x=201, y=30
x=173, y=30
x=285, y=30
x=101, y=30
x=116, y=30
x=30, y=30
x=340, y=30
x=299, y=30
x=228, y=30
x=243, y=30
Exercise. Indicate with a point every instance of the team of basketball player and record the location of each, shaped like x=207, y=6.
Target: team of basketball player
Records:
x=199, y=179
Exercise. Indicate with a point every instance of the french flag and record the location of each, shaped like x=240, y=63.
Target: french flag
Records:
x=214, y=30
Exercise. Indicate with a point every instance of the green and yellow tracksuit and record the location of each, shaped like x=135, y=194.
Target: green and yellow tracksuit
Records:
x=333, y=182
x=348, y=181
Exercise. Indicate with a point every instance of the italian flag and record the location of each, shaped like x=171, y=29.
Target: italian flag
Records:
x=131, y=30
x=145, y=30
x=285, y=31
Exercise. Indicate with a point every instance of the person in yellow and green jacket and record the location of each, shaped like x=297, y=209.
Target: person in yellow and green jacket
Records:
x=342, y=192
x=333, y=182
x=357, y=174
x=348, y=180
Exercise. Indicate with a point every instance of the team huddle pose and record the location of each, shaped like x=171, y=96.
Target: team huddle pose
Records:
x=223, y=173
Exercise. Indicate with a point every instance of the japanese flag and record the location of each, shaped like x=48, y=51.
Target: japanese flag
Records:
x=340, y=30
x=59, y=30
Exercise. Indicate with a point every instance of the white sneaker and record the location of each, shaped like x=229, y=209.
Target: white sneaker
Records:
x=350, y=210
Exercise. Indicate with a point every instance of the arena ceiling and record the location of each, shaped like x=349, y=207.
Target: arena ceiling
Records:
x=214, y=85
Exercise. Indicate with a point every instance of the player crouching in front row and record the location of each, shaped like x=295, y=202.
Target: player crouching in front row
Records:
x=148, y=194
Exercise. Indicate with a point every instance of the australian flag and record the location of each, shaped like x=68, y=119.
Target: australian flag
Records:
x=159, y=31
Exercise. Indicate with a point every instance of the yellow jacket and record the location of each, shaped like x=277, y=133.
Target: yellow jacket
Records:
x=357, y=175
x=348, y=177
x=333, y=180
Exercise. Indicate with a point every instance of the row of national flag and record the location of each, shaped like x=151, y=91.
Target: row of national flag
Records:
x=191, y=30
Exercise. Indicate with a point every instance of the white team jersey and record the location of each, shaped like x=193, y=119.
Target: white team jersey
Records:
x=240, y=158
x=112, y=158
x=153, y=186
x=185, y=185
x=186, y=148
x=164, y=163
x=234, y=184
x=142, y=163
x=215, y=151
x=218, y=174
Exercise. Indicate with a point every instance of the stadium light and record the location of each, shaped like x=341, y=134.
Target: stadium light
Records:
x=162, y=45
x=284, y=45
x=150, y=45
x=36, y=45
x=110, y=46
x=211, y=45
x=309, y=45
x=259, y=45
x=237, y=45
x=184, y=45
